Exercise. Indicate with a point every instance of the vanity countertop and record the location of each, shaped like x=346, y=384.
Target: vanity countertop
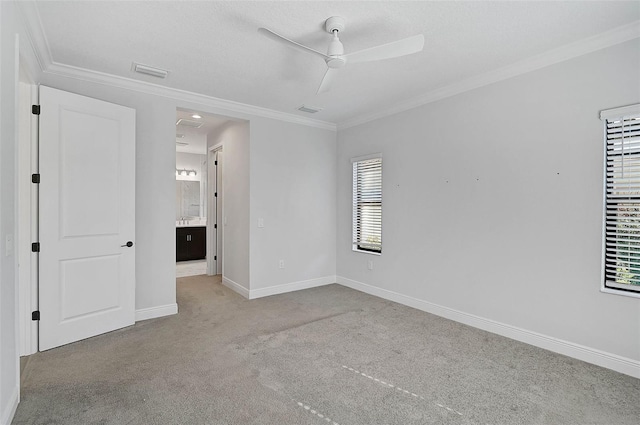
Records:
x=191, y=223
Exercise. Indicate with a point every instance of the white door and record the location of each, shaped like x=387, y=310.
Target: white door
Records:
x=212, y=165
x=219, y=218
x=214, y=219
x=86, y=217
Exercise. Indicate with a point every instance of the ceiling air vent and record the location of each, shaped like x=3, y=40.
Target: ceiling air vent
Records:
x=189, y=123
x=309, y=109
x=182, y=143
x=149, y=70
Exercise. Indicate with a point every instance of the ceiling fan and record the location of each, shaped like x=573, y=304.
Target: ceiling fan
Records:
x=335, y=57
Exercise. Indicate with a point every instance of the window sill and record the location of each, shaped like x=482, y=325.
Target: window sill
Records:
x=366, y=252
x=618, y=292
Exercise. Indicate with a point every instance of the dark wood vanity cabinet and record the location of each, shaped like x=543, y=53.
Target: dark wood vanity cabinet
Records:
x=191, y=243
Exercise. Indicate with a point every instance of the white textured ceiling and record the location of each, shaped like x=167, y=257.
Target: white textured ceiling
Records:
x=213, y=48
x=196, y=138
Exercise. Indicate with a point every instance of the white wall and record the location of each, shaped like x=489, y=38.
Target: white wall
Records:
x=289, y=171
x=190, y=161
x=271, y=140
x=9, y=386
x=293, y=190
x=234, y=138
x=492, y=204
x=15, y=52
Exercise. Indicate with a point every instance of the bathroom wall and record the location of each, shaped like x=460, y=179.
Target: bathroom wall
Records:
x=191, y=161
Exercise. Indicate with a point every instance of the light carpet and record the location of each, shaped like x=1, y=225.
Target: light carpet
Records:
x=328, y=355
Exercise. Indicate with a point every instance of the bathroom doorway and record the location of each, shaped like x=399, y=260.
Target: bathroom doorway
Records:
x=198, y=193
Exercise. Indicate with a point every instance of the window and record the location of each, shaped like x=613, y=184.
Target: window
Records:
x=367, y=204
x=622, y=200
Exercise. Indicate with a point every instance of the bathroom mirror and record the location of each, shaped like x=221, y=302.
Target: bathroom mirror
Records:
x=187, y=199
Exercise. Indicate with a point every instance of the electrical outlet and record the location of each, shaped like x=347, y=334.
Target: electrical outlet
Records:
x=281, y=264
x=370, y=264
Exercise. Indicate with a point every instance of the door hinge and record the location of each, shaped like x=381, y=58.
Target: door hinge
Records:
x=35, y=109
x=35, y=315
x=215, y=194
x=35, y=247
x=215, y=226
x=215, y=257
x=215, y=163
x=35, y=178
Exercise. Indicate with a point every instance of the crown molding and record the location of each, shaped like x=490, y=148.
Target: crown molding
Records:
x=38, y=40
x=551, y=57
x=222, y=106
x=35, y=32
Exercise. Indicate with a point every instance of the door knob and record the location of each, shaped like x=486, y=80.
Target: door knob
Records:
x=128, y=244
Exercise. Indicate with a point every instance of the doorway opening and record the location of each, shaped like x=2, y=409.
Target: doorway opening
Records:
x=199, y=193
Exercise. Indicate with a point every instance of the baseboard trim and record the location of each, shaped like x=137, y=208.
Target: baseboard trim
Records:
x=154, y=312
x=234, y=286
x=590, y=355
x=290, y=287
x=10, y=409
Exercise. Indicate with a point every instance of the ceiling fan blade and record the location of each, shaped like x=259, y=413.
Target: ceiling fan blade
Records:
x=277, y=37
x=394, y=49
x=327, y=81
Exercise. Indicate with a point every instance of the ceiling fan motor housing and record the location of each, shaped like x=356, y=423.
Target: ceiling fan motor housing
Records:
x=335, y=47
x=334, y=23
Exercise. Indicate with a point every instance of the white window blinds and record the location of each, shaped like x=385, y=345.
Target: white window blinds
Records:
x=622, y=200
x=367, y=205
